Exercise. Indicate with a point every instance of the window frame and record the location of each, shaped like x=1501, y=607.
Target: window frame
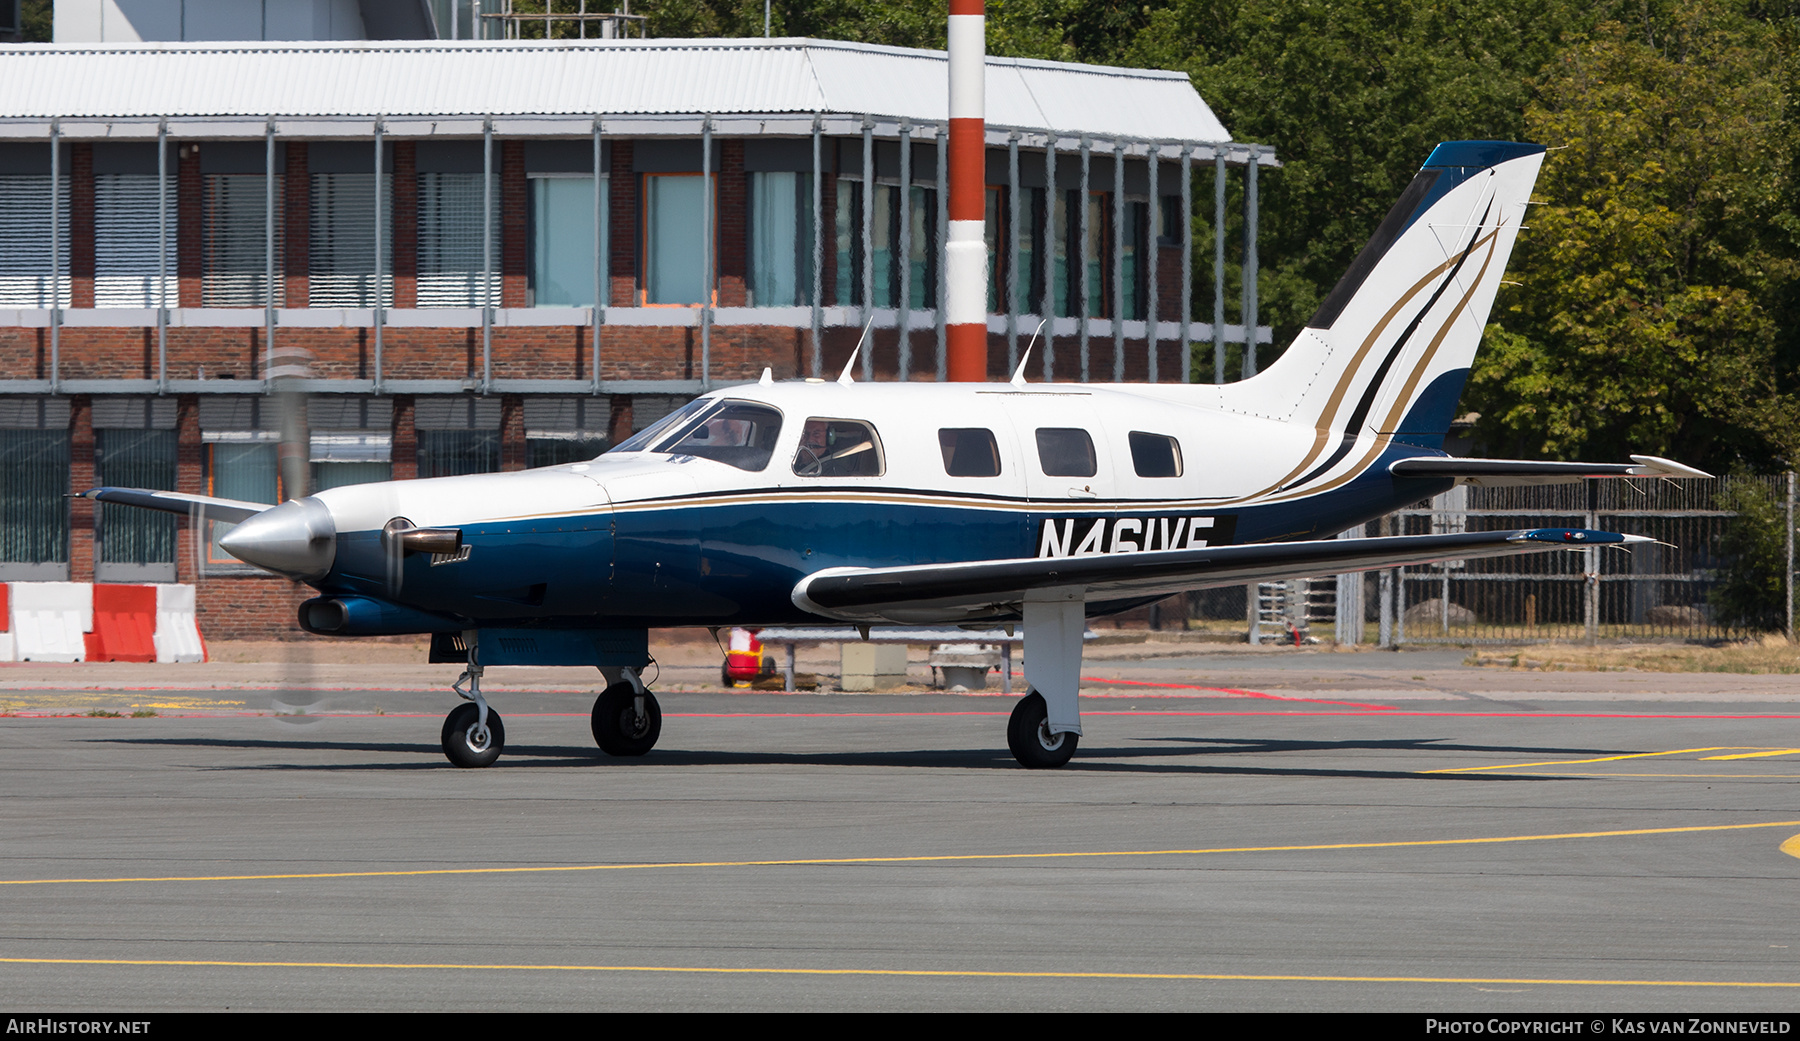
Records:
x=874, y=439
x=1093, y=454
x=1137, y=463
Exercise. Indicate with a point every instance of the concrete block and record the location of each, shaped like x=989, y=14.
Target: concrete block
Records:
x=873, y=666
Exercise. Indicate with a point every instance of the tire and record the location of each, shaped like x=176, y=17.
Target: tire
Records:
x=617, y=729
x=1032, y=745
x=459, y=743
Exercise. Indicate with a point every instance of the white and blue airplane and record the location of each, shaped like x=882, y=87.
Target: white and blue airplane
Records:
x=978, y=504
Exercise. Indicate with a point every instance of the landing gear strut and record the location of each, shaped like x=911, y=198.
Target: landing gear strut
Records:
x=473, y=735
x=627, y=720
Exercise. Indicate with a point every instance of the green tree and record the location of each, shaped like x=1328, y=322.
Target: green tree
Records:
x=1353, y=96
x=1754, y=545
x=1653, y=272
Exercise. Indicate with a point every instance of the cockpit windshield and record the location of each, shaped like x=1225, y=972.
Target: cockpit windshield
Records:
x=736, y=433
x=643, y=439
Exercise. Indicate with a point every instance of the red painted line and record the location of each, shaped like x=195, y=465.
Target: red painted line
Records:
x=1229, y=690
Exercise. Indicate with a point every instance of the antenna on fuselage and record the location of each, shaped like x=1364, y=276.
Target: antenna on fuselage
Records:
x=1018, y=379
x=844, y=377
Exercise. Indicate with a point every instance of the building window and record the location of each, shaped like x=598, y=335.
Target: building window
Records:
x=351, y=440
x=236, y=241
x=884, y=245
x=1134, y=261
x=565, y=430
x=674, y=261
x=240, y=464
x=135, y=545
x=34, y=487
x=781, y=232
x=126, y=234
x=341, y=254
x=25, y=240
x=457, y=436
x=563, y=246
x=451, y=247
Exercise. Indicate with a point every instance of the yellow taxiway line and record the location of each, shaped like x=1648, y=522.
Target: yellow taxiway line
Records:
x=758, y=970
x=939, y=858
x=1600, y=759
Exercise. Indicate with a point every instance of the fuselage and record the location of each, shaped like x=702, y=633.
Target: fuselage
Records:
x=702, y=521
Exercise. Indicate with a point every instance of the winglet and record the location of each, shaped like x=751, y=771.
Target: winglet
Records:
x=1650, y=465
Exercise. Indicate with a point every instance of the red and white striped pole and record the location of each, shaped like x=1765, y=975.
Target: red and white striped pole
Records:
x=965, y=255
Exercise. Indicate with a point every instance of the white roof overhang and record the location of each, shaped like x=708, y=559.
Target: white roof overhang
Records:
x=638, y=87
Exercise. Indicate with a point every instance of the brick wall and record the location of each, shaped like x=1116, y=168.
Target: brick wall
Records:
x=515, y=249
x=734, y=226
x=406, y=224
x=622, y=241
x=297, y=226
x=190, y=229
x=81, y=225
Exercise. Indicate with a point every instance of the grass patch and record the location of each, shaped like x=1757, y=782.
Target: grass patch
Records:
x=100, y=713
x=1772, y=655
x=144, y=713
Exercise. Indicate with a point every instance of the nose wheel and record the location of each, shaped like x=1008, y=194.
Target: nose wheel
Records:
x=627, y=720
x=1028, y=735
x=469, y=744
x=473, y=734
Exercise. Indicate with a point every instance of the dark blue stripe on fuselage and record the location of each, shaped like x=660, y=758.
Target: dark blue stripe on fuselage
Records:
x=735, y=562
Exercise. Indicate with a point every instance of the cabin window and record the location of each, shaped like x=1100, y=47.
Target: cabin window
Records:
x=969, y=452
x=838, y=448
x=739, y=434
x=1155, y=455
x=1066, y=452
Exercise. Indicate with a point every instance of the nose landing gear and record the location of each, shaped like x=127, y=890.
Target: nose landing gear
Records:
x=473, y=734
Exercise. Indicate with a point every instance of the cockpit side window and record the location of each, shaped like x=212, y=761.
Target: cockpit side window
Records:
x=839, y=448
x=1066, y=452
x=737, y=433
x=969, y=452
x=1155, y=455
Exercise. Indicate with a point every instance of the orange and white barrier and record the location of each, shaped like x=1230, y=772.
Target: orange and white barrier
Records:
x=86, y=621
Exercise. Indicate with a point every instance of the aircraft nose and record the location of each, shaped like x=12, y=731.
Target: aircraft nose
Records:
x=297, y=539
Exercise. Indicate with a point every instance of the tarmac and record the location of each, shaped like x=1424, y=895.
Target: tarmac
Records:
x=1240, y=829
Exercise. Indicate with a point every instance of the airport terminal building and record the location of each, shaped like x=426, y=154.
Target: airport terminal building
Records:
x=489, y=255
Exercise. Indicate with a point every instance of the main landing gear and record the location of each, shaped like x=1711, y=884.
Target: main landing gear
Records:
x=627, y=720
x=1028, y=735
x=1046, y=723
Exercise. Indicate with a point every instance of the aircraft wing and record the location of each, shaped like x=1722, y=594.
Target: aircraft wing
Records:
x=1494, y=473
x=230, y=510
x=942, y=591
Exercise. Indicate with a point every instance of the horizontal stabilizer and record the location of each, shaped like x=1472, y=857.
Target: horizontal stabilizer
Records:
x=230, y=510
x=1494, y=473
x=947, y=591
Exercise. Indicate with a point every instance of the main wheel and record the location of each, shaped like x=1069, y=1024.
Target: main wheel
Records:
x=467, y=748
x=1028, y=735
x=618, y=727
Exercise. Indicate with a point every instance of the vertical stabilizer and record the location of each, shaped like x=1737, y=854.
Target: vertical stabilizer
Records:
x=1385, y=358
